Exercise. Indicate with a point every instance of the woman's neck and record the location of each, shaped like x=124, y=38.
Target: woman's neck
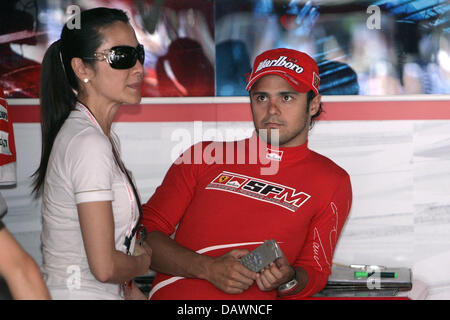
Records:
x=103, y=112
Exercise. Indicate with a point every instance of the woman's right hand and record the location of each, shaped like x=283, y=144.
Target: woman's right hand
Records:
x=144, y=254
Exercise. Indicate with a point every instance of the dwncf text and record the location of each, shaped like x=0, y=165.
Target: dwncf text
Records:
x=238, y=309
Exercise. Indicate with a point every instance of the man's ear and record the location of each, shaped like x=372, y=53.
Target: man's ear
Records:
x=81, y=70
x=314, y=105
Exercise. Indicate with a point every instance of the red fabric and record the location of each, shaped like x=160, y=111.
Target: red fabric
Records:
x=7, y=136
x=303, y=206
x=297, y=68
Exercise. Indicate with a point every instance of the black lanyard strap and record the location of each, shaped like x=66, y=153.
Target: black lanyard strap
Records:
x=122, y=167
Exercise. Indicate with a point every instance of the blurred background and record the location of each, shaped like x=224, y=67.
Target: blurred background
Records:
x=205, y=47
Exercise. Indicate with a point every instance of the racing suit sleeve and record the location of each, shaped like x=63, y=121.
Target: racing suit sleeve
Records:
x=325, y=228
x=167, y=205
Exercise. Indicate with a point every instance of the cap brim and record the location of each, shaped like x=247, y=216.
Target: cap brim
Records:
x=298, y=85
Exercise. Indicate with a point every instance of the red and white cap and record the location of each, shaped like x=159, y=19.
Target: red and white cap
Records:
x=296, y=67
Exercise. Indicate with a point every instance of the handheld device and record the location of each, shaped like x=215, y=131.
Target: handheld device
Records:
x=262, y=256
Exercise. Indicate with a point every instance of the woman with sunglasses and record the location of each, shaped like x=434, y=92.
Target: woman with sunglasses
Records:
x=90, y=205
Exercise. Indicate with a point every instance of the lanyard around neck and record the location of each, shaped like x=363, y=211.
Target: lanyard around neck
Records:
x=85, y=110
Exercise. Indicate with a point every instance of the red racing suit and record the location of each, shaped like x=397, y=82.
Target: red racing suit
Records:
x=224, y=205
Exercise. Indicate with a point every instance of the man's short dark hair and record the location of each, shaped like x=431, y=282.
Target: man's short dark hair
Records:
x=309, y=97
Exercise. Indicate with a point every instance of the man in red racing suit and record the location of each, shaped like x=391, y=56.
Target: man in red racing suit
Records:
x=221, y=203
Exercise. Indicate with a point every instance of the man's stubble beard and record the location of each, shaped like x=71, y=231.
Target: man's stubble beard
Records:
x=266, y=134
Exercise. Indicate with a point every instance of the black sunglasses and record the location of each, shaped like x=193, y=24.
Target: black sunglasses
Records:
x=121, y=57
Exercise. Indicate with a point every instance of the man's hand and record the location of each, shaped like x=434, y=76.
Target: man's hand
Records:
x=142, y=249
x=227, y=274
x=274, y=275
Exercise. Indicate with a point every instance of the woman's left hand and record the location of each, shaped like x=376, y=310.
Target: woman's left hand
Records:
x=133, y=292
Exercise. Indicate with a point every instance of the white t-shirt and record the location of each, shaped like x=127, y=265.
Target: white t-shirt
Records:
x=81, y=168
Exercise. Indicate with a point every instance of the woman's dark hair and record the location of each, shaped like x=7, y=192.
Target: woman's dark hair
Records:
x=59, y=83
